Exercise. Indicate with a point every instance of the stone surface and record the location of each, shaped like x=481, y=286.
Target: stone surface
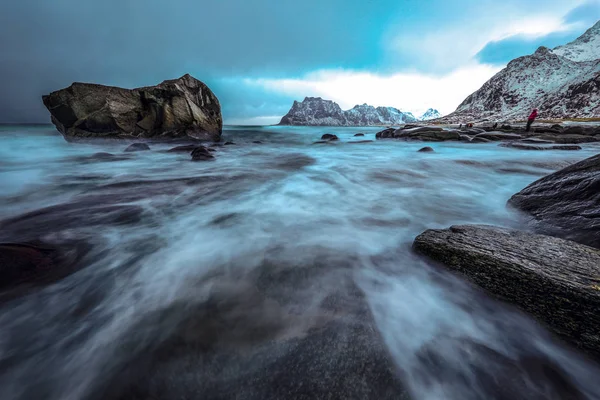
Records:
x=497, y=135
x=183, y=107
x=424, y=133
x=137, y=147
x=566, y=203
x=425, y=149
x=201, y=153
x=555, y=280
x=329, y=136
x=183, y=149
x=523, y=146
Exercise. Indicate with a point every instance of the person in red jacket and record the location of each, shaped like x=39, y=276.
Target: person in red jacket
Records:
x=531, y=118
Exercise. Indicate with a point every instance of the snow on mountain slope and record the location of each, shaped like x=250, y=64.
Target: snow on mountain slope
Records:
x=430, y=114
x=316, y=111
x=561, y=83
x=584, y=48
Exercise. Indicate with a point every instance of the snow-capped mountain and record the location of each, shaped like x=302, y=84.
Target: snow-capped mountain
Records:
x=318, y=112
x=430, y=114
x=561, y=83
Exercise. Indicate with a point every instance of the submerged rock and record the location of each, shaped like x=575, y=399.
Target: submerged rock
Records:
x=183, y=149
x=201, y=153
x=359, y=134
x=555, y=280
x=329, y=136
x=183, y=107
x=137, y=147
x=564, y=138
x=426, y=149
x=566, y=203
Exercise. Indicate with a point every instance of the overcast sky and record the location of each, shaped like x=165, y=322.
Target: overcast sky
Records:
x=260, y=55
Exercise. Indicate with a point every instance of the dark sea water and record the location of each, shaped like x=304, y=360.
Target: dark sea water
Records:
x=281, y=269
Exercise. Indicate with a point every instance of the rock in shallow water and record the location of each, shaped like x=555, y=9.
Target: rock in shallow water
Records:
x=522, y=146
x=137, y=147
x=183, y=107
x=566, y=203
x=555, y=280
x=425, y=149
x=201, y=153
x=329, y=136
x=496, y=135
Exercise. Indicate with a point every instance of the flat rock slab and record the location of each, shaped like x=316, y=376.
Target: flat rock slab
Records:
x=566, y=203
x=496, y=135
x=555, y=280
x=564, y=138
x=522, y=146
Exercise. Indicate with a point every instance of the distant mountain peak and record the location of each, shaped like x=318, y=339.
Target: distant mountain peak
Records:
x=585, y=48
x=562, y=83
x=316, y=111
x=430, y=114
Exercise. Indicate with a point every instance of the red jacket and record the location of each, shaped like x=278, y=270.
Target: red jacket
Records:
x=533, y=116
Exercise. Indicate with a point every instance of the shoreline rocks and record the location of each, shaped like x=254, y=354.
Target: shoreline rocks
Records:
x=555, y=280
x=566, y=203
x=179, y=108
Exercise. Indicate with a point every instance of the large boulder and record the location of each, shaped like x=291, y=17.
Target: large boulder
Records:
x=555, y=280
x=183, y=107
x=566, y=203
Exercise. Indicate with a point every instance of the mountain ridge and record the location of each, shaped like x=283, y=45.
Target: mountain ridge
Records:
x=562, y=83
x=315, y=111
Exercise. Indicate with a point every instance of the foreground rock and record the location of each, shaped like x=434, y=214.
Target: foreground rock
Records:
x=566, y=203
x=183, y=107
x=555, y=280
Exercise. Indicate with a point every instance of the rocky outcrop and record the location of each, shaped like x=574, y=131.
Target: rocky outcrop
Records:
x=555, y=280
x=524, y=146
x=183, y=107
x=315, y=111
x=424, y=133
x=566, y=203
x=562, y=83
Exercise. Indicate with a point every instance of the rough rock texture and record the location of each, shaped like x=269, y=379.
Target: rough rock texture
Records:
x=201, y=153
x=523, y=146
x=425, y=133
x=183, y=107
x=562, y=83
x=566, y=203
x=318, y=112
x=329, y=136
x=555, y=280
x=498, y=136
x=137, y=147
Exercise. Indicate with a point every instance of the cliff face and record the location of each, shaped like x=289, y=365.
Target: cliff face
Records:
x=315, y=111
x=183, y=107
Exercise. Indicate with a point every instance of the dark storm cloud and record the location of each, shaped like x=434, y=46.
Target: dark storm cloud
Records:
x=47, y=44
